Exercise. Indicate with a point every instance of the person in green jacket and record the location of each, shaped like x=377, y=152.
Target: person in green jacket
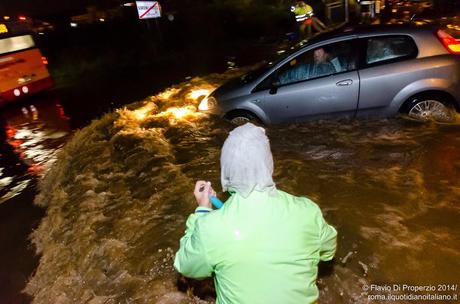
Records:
x=264, y=245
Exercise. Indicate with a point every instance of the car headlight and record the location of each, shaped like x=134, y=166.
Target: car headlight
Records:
x=207, y=103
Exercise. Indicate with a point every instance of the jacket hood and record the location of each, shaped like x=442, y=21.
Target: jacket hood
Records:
x=247, y=162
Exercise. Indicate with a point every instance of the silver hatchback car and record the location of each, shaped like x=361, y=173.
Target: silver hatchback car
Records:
x=376, y=71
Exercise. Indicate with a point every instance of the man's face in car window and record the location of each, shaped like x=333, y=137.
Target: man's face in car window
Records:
x=319, y=55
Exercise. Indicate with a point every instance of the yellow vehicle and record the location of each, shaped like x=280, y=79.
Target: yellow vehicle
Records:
x=23, y=68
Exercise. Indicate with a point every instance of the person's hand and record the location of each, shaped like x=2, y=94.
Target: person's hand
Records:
x=202, y=197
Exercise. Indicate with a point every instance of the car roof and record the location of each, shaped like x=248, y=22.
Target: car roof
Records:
x=365, y=30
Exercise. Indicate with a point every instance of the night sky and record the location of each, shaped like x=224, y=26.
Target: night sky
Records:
x=38, y=8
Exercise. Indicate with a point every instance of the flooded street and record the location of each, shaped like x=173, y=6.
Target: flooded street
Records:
x=119, y=192
x=31, y=135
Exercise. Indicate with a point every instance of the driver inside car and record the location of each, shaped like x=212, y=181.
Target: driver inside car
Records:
x=308, y=69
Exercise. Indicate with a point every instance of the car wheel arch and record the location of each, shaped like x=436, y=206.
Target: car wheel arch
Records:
x=242, y=111
x=420, y=87
x=439, y=95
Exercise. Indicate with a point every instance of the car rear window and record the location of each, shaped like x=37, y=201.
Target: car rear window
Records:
x=389, y=48
x=17, y=43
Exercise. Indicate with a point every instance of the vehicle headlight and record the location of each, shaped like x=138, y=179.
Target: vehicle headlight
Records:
x=207, y=103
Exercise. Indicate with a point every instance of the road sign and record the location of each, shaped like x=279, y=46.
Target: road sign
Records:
x=148, y=9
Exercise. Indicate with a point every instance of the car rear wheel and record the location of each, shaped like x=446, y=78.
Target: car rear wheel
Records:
x=241, y=117
x=431, y=109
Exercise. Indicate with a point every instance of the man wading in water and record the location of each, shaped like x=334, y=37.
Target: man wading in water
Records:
x=263, y=245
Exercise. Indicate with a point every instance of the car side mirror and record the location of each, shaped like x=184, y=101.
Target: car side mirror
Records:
x=274, y=83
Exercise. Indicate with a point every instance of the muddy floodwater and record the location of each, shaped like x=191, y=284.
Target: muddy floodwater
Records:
x=30, y=137
x=119, y=193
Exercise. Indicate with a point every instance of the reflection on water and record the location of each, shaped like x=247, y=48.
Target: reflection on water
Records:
x=120, y=191
x=30, y=136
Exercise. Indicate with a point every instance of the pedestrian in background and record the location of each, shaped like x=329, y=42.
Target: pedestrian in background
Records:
x=304, y=17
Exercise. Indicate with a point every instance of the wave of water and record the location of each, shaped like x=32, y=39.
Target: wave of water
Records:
x=119, y=193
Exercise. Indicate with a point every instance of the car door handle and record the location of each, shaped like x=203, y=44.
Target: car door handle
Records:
x=344, y=83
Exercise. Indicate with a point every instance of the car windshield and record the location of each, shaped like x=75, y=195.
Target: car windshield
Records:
x=14, y=44
x=267, y=64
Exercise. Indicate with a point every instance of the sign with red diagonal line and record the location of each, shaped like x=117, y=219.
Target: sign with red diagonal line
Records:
x=148, y=9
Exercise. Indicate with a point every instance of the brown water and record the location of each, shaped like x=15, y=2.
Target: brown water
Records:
x=120, y=191
x=31, y=135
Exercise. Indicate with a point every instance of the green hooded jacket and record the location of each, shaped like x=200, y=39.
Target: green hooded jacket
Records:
x=261, y=249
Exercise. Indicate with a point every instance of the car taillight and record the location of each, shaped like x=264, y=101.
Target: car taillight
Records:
x=449, y=42
x=44, y=60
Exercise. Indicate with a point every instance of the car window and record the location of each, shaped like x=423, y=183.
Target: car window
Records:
x=271, y=61
x=389, y=48
x=319, y=62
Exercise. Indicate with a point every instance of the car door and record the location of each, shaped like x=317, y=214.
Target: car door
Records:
x=314, y=86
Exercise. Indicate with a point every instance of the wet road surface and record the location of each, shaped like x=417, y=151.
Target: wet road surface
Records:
x=120, y=192
x=33, y=130
x=31, y=134
x=118, y=195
